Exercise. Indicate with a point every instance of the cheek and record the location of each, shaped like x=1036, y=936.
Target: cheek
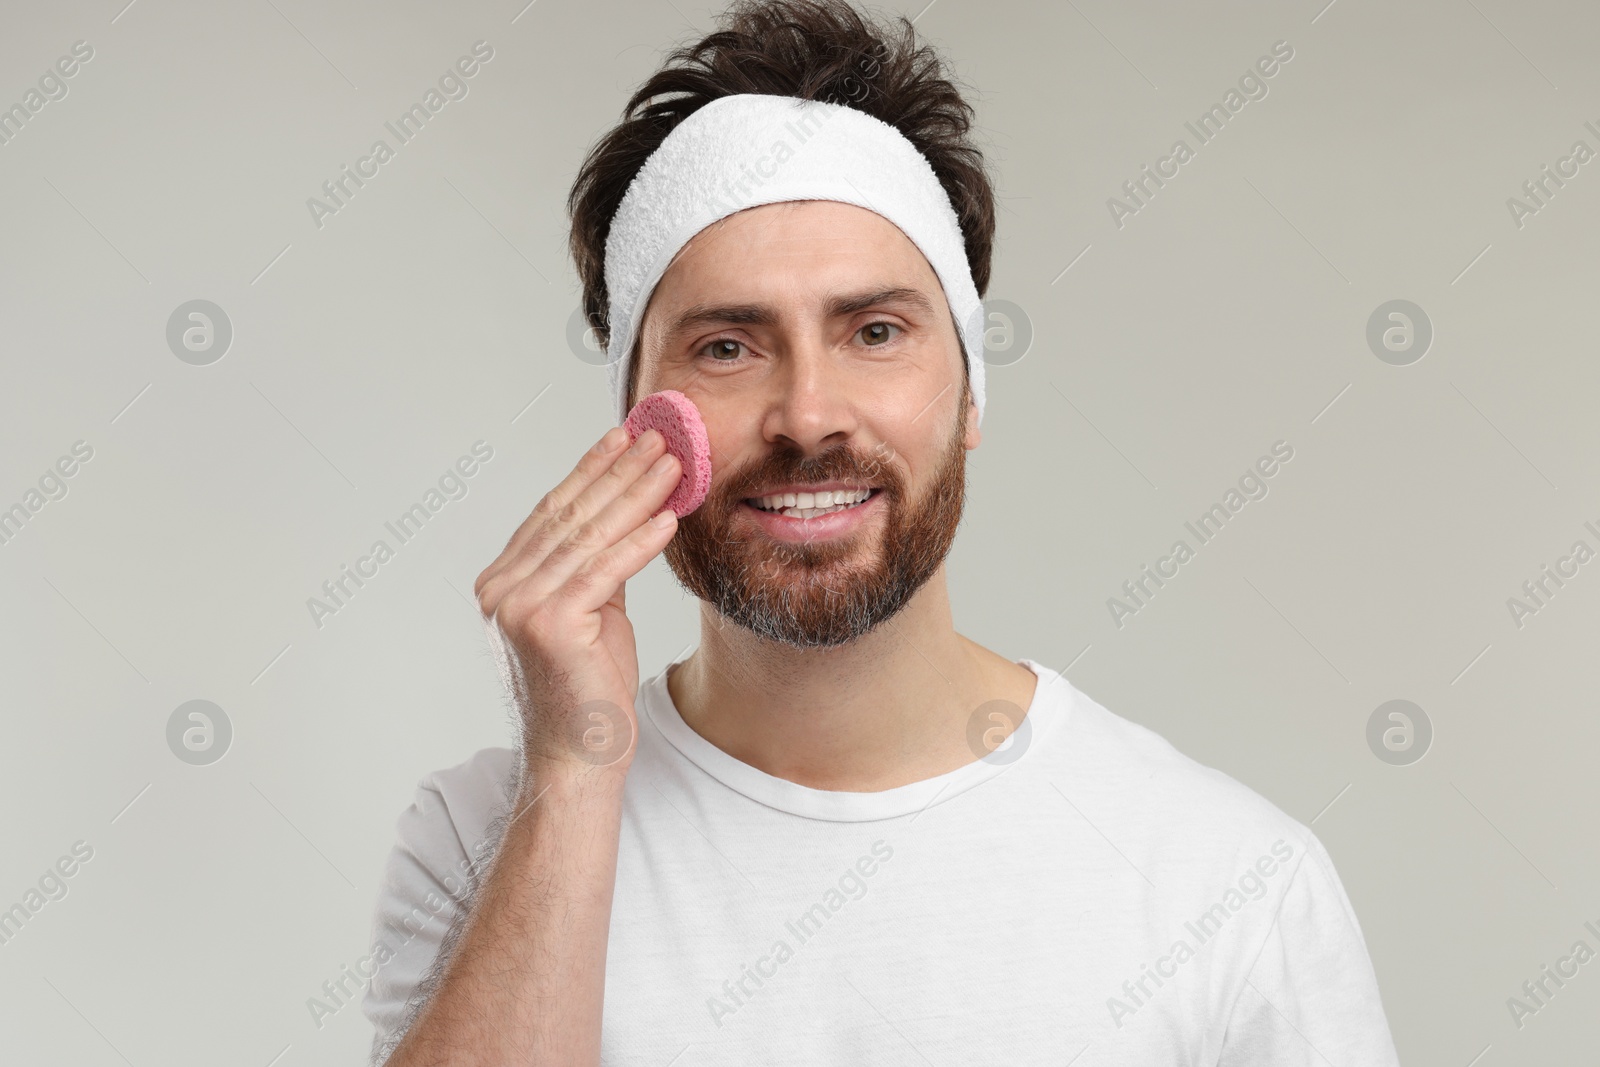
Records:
x=929, y=450
x=728, y=443
x=916, y=400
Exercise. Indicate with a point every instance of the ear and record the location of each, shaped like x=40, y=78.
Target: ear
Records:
x=974, y=435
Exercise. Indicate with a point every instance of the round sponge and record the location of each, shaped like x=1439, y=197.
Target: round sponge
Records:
x=675, y=417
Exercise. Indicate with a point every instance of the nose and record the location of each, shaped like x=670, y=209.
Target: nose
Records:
x=814, y=401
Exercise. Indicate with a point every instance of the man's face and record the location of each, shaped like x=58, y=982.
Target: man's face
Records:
x=817, y=343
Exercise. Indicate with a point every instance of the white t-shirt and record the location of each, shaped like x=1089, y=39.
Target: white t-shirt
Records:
x=1086, y=894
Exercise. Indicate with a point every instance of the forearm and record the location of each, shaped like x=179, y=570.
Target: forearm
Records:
x=525, y=980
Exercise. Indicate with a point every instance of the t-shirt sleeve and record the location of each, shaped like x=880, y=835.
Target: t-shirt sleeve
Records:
x=422, y=891
x=1311, y=998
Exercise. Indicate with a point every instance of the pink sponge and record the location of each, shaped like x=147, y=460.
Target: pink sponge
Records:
x=675, y=417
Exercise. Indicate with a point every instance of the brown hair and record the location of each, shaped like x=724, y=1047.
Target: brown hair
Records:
x=812, y=49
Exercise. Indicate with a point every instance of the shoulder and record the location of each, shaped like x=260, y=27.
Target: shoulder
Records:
x=454, y=806
x=444, y=834
x=441, y=842
x=483, y=777
x=1223, y=870
x=1167, y=803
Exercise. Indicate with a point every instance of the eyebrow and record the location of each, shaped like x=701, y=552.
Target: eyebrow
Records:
x=763, y=315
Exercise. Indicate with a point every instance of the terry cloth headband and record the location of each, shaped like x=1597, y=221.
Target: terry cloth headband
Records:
x=746, y=150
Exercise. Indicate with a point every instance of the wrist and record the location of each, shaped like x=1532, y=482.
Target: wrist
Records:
x=569, y=775
x=582, y=743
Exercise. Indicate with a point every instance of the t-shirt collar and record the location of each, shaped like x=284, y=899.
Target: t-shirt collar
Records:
x=1048, y=706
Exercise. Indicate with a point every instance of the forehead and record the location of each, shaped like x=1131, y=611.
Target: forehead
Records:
x=789, y=252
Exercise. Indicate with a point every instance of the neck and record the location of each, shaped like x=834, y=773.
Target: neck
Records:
x=888, y=709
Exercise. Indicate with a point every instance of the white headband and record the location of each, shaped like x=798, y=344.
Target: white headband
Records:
x=746, y=150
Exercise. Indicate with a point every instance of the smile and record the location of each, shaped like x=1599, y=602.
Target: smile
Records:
x=797, y=517
x=810, y=505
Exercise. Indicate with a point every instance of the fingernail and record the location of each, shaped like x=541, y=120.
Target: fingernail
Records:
x=642, y=443
x=612, y=440
x=664, y=519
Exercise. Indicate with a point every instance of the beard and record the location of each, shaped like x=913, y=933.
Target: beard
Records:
x=820, y=594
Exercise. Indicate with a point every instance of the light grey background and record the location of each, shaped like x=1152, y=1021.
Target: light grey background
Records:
x=431, y=312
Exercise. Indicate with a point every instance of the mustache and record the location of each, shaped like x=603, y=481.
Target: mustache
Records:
x=783, y=593
x=840, y=463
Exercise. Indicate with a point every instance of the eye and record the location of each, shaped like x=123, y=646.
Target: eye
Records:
x=875, y=334
x=723, y=350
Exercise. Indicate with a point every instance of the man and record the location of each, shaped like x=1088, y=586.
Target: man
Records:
x=839, y=831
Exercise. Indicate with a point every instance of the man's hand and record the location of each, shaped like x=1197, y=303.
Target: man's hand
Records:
x=520, y=976
x=554, y=602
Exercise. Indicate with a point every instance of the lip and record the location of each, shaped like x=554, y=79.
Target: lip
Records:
x=781, y=527
x=820, y=487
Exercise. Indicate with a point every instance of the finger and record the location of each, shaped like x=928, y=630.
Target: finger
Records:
x=614, y=522
x=590, y=466
x=603, y=575
x=575, y=528
x=601, y=474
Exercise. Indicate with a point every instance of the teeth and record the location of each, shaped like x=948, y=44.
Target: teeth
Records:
x=805, y=505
